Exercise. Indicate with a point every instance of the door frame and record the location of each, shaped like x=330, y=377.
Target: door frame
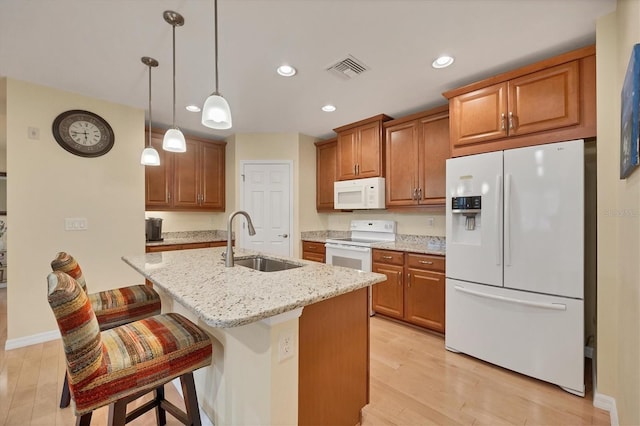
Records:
x=289, y=163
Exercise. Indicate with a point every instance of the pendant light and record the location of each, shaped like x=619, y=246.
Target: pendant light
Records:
x=174, y=139
x=150, y=156
x=216, y=113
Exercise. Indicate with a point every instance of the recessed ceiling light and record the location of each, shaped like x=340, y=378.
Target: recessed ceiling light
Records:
x=286, y=70
x=328, y=108
x=193, y=108
x=442, y=62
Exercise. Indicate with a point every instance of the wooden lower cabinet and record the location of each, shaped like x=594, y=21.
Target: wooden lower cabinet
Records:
x=333, y=369
x=313, y=251
x=414, y=290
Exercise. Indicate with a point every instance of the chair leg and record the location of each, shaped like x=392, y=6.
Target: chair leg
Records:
x=161, y=414
x=190, y=398
x=65, y=397
x=118, y=413
x=84, y=420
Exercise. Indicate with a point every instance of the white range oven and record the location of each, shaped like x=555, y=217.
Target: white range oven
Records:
x=355, y=252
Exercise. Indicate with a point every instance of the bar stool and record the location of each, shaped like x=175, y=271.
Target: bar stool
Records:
x=112, y=307
x=116, y=366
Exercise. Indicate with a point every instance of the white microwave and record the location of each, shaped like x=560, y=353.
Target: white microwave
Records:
x=356, y=194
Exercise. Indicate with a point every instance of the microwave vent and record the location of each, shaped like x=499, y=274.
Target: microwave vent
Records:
x=348, y=68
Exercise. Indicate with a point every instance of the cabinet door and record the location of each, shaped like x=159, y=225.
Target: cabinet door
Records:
x=369, y=154
x=479, y=116
x=212, y=195
x=186, y=178
x=402, y=164
x=387, y=296
x=434, y=150
x=158, y=185
x=425, y=299
x=326, y=174
x=347, y=154
x=545, y=100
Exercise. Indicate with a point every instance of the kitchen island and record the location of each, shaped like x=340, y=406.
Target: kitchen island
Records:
x=290, y=347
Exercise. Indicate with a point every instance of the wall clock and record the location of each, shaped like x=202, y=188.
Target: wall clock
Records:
x=83, y=133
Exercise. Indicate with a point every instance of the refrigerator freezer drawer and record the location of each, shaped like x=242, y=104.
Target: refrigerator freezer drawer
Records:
x=536, y=335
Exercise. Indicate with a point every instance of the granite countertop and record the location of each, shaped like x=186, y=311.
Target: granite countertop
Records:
x=423, y=244
x=189, y=237
x=228, y=297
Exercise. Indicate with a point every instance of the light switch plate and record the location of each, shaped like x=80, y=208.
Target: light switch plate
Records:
x=76, y=224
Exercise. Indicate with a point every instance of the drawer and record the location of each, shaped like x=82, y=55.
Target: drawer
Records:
x=425, y=261
x=313, y=247
x=388, y=256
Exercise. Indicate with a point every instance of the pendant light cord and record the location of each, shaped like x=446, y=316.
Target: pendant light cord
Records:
x=149, y=106
x=174, y=76
x=215, y=22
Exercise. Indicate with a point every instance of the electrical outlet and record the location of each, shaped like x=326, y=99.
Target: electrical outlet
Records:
x=286, y=345
x=430, y=221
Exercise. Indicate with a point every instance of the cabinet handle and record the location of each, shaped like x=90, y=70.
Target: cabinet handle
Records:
x=409, y=279
x=387, y=257
x=425, y=262
x=358, y=169
x=399, y=278
x=355, y=170
x=419, y=193
x=168, y=196
x=510, y=120
x=502, y=121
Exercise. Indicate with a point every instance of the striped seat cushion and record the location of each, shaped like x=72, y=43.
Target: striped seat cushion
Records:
x=143, y=355
x=112, y=307
x=123, y=305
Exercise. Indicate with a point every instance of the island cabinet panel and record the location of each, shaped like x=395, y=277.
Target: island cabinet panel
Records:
x=414, y=291
x=187, y=181
x=549, y=101
x=313, y=251
x=326, y=173
x=417, y=148
x=360, y=149
x=333, y=370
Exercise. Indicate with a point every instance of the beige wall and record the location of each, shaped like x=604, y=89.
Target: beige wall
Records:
x=47, y=184
x=618, y=350
x=407, y=223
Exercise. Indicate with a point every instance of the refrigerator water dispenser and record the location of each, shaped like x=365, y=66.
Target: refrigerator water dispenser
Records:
x=467, y=208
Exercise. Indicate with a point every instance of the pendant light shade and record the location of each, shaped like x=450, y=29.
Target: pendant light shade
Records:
x=150, y=156
x=216, y=113
x=174, y=139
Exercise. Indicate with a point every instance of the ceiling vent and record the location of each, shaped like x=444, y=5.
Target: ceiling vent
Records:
x=348, y=68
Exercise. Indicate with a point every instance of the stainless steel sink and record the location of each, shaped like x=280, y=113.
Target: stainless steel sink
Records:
x=264, y=264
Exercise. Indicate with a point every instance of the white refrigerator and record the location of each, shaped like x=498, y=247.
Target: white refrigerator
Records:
x=515, y=260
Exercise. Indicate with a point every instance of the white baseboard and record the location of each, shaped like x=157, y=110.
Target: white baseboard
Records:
x=204, y=419
x=607, y=403
x=31, y=340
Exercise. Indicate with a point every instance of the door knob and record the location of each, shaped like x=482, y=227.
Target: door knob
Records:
x=283, y=235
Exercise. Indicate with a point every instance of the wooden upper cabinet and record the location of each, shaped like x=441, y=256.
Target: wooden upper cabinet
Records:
x=417, y=148
x=360, y=149
x=549, y=101
x=326, y=173
x=188, y=181
x=158, y=179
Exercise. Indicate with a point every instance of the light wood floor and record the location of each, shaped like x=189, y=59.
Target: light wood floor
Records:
x=414, y=381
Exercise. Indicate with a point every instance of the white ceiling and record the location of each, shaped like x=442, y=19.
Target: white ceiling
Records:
x=93, y=47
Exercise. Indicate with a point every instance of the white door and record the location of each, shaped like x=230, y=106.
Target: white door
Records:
x=474, y=250
x=544, y=219
x=266, y=196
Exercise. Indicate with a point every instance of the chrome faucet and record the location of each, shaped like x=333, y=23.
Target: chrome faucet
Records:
x=252, y=231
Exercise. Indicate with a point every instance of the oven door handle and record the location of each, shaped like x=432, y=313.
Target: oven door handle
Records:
x=346, y=247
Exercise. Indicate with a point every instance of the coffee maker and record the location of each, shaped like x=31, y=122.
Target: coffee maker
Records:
x=153, y=229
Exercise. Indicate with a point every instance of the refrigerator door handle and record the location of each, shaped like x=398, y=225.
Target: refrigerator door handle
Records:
x=507, y=220
x=497, y=220
x=552, y=306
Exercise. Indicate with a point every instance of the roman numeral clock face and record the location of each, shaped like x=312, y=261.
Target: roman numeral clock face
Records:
x=83, y=133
